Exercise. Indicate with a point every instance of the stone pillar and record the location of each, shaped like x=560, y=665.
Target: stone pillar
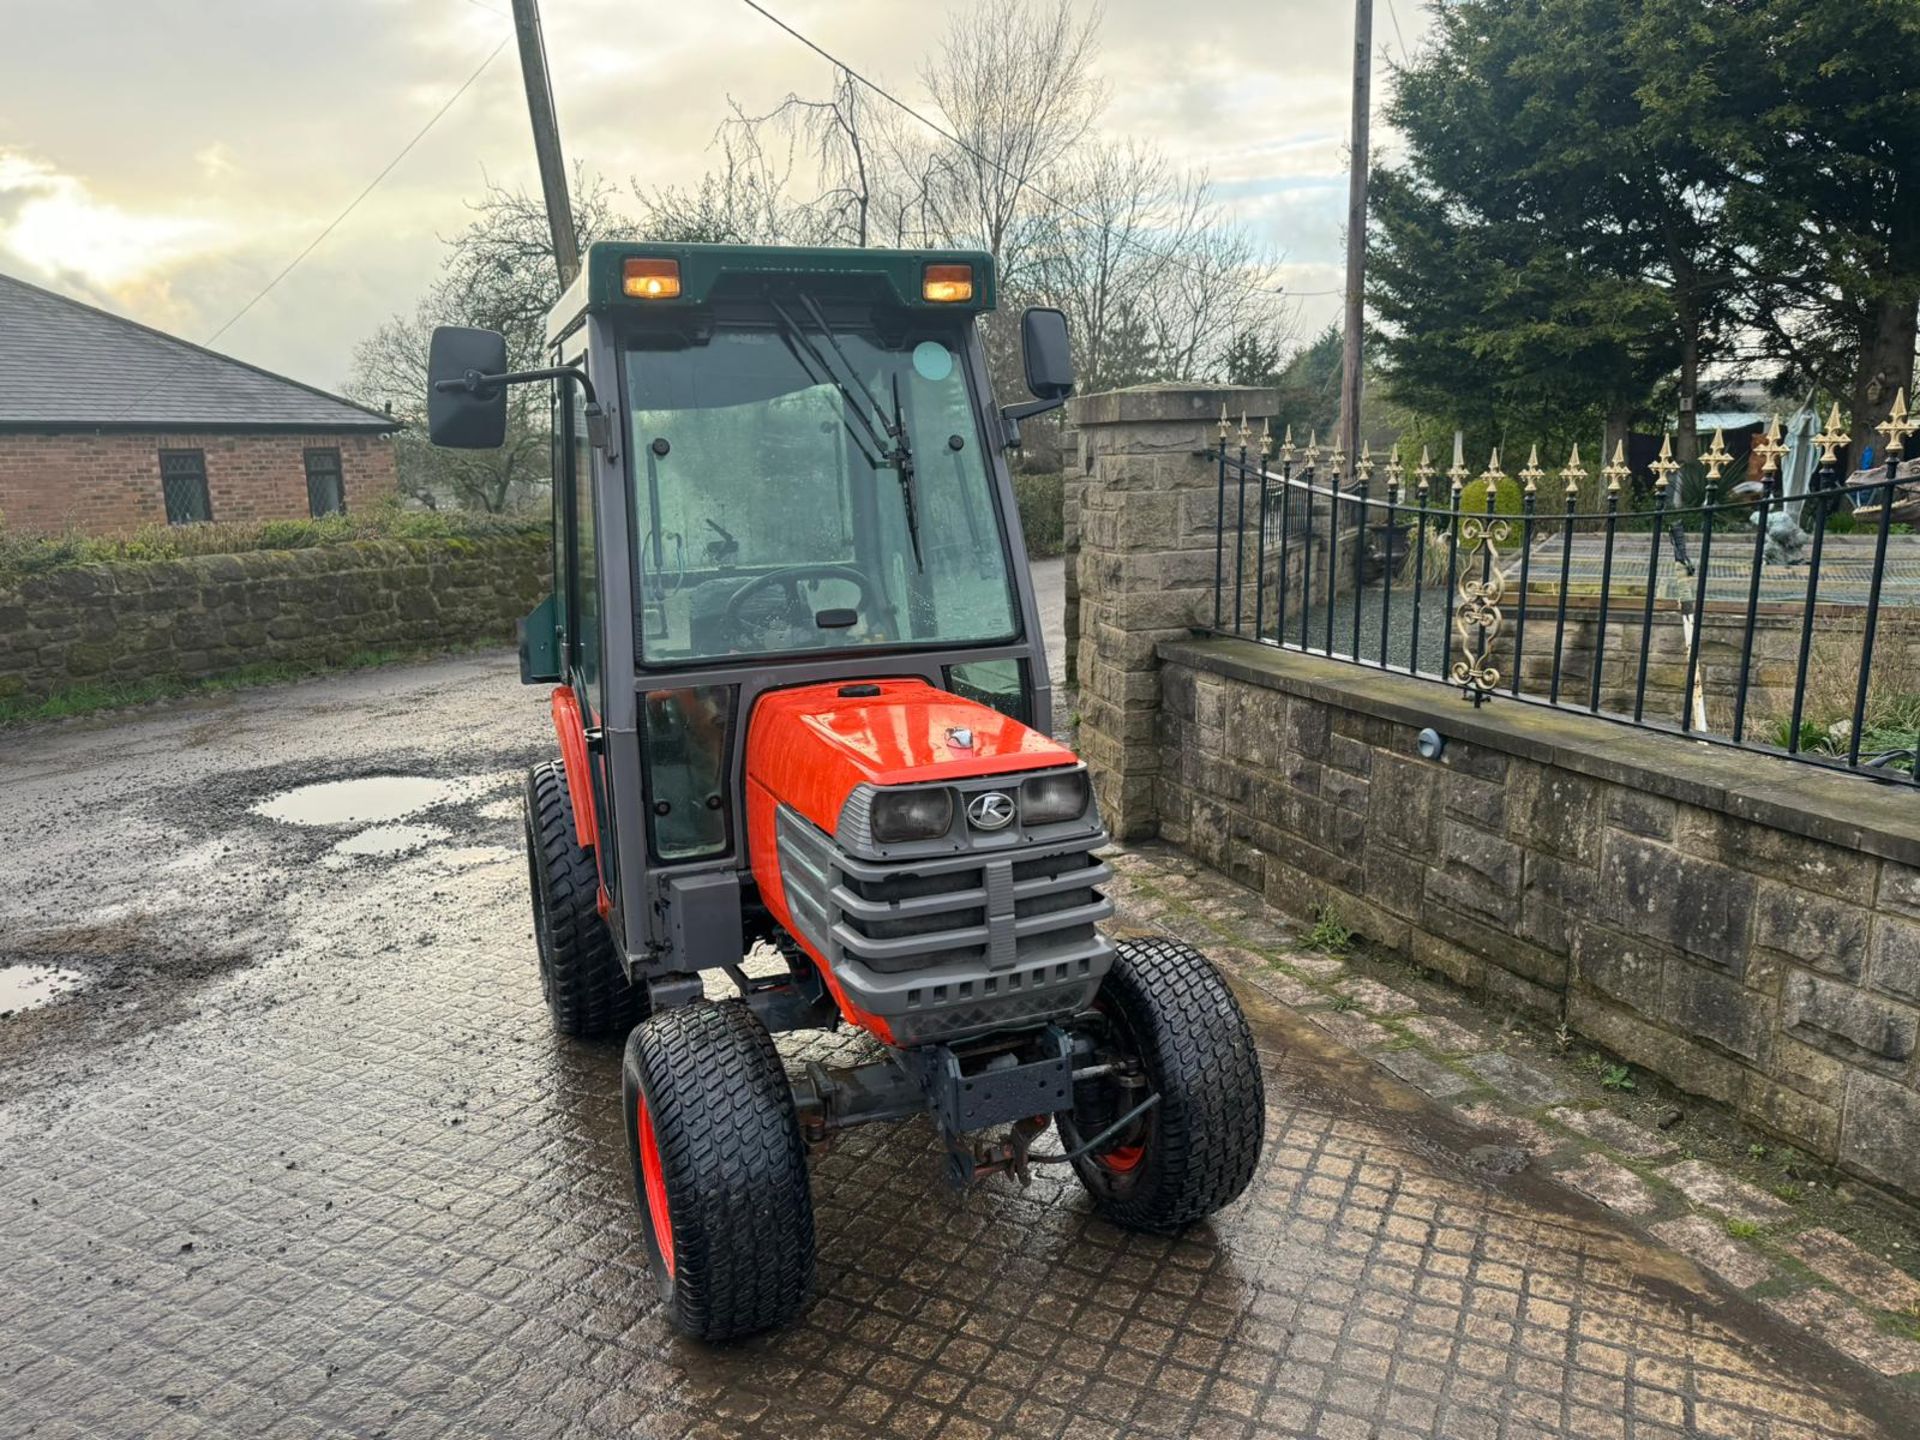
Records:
x=1145, y=568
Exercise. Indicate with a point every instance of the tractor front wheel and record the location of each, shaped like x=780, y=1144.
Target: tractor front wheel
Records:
x=1167, y=1010
x=587, y=991
x=719, y=1170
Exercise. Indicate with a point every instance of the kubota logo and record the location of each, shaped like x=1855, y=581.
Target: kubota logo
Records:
x=990, y=811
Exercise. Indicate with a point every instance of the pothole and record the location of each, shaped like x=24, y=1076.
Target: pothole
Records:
x=392, y=840
x=28, y=987
x=372, y=800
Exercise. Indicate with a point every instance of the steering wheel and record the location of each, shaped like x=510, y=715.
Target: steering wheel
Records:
x=796, y=613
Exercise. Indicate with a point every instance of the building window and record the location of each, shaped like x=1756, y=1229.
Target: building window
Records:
x=326, y=490
x=183, y=481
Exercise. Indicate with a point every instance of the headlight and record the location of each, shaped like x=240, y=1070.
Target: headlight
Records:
x=1050, y=799
x=902, y=815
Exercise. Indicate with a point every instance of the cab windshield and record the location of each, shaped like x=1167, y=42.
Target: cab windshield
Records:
x=799, y=488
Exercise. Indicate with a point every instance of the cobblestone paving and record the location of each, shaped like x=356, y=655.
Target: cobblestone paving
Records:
x=305, y=1159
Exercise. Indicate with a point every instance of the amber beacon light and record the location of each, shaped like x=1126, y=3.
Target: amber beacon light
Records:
x=651, y=279
x=947, y=283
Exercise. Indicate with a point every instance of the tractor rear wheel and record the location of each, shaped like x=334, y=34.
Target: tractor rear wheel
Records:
x=719, y=1170
x=587, y=991
x=1167, y=1007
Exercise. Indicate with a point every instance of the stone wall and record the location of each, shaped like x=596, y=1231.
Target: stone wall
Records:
x=1771, y=672
x=202, y=617
x=1745, y=927
x=108, y=482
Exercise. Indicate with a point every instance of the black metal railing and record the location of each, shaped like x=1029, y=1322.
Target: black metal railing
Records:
x=1747, y=618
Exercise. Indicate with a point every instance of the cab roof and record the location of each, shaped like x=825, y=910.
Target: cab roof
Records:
x=709, y=272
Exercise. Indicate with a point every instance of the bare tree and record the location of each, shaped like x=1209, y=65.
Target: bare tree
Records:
x=499, y=275
x=1015, y=81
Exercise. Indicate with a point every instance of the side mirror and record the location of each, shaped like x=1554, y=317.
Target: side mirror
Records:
x=1047, y=352
x=463, y=413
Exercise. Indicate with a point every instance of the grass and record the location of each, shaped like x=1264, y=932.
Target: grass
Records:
x=92, y=699
x=1741, y=1229
x=1892, y=718
x=1328, y=934
x=24, y=556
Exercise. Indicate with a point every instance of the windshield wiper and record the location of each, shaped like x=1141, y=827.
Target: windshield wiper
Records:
x=895, y=450
x=909, y=477
x=872, y=445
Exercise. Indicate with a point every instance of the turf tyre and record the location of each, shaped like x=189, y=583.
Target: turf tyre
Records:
x=587, y=992
x=712, y=1134
x=1197, y=1150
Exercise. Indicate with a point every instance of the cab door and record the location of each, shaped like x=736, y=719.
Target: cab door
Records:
x=577, y=581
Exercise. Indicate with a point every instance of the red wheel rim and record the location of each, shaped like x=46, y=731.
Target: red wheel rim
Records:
x=656, y=1185
x=1123, y=1157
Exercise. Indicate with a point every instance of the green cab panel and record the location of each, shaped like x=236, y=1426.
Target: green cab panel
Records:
x=540, y=645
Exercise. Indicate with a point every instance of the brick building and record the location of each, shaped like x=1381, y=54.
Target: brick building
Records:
x=107, y=425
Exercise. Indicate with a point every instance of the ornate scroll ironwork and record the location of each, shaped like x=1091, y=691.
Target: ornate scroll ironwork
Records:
x=1477, y=618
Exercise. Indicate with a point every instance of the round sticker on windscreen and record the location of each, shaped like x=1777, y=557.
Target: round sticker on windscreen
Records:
x=932, y=360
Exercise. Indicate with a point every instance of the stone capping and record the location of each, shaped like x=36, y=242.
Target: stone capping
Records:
x=1862, y=815
x=1162, y=404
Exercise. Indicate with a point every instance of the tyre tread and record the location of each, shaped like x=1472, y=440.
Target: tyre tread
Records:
x=736, y=1168
x=588, y=993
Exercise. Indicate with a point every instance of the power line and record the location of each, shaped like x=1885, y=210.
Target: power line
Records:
x=335, y=223
x=1020, y=183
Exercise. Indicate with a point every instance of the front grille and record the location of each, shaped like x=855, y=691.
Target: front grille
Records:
x=954, y=941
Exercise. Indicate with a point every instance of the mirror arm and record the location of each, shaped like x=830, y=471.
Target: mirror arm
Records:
x=599, y=425
x=1012, y=415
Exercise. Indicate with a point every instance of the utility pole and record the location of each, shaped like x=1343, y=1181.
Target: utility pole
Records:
x=1353, y=347
x=546, y=138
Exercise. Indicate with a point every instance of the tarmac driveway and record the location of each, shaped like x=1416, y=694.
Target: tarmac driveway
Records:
x=296, y=1153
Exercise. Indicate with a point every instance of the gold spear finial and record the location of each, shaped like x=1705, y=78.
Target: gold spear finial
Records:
x=1618, y=470
x=1459, y=474
x=1896, y=427
x=1266, y=439
x=1245, y=433
x=1531, y=472
x=1226, y=425
x=1337, y=461
x=1287, y=452
x=1493, y=474
x=1832, y=438
x=1718, y=457
x=1396, y=472
x=1363, y=469
x=1769, y=448
x=1573, y=472
x=1312, y=453
x=1666, y=467
x=1424, y=471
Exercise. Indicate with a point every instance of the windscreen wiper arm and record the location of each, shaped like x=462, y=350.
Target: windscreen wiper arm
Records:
x=872, y=444
x=896, y=449
x=909, y=477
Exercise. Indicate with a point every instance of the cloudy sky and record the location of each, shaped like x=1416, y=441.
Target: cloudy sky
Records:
x=166, y=159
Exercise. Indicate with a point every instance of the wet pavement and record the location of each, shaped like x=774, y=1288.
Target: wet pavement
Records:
x=300, y=1156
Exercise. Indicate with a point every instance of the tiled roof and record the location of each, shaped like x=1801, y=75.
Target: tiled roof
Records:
x=65, y=365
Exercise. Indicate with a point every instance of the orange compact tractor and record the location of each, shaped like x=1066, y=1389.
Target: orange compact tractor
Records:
x=802, y=706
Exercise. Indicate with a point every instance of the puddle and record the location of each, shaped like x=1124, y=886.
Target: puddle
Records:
x=373, y=800
x=391, y=840
x=28, y=987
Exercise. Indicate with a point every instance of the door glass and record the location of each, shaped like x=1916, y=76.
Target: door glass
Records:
x=998, y=684
x=586, y=621
x=683, y=740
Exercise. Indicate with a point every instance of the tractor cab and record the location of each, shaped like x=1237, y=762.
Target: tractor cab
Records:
x=802, y=710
